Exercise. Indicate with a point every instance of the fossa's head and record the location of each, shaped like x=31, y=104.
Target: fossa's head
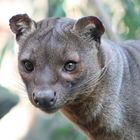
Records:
x=58, y=58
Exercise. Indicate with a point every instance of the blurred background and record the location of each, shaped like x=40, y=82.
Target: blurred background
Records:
x=19, y=120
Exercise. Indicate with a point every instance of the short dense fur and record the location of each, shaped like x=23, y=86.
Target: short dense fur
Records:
x=102, y=95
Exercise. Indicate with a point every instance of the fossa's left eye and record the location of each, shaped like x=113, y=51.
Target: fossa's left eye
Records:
x=28, y=66
x=70, y=66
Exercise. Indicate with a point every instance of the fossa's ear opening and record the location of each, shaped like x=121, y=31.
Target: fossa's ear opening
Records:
x=22, y=25
x=89, y=27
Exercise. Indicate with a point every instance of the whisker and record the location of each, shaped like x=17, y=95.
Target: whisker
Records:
x=20, y=89
x=94, y=80
x=20, y=84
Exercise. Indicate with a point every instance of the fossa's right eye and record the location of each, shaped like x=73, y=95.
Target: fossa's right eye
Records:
x=70, y=66
x=28, y=65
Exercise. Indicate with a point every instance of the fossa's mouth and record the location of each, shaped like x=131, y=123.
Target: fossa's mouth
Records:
x=50, y=109
x=47, y=108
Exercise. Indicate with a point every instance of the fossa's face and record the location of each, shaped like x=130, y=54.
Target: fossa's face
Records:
x=58, y=59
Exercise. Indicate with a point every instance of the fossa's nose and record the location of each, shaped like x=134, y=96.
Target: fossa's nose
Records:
x=44, y=99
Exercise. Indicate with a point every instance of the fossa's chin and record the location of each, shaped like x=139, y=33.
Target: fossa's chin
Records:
x=49, y=110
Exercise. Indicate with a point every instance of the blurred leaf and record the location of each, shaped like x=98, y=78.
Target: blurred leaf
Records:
x=8, y=46
x=7, y=101
x=56, y=8
x=54, y=128
x=131, y=18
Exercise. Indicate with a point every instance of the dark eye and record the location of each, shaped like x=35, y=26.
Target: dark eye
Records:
x=28, y=65
x=70, y=66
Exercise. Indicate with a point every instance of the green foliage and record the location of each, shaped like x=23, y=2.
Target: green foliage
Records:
x=8, y=46
x=131, y=18
x=54, y=128
x=56, y=8
x=7, y=101
x=65, y=130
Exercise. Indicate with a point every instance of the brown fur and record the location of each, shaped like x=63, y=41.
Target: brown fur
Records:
x=101, y=94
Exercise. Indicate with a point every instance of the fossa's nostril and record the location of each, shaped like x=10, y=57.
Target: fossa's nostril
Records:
x=37, y=102
x=52, y=100
x=34, y=96
x=35, y=99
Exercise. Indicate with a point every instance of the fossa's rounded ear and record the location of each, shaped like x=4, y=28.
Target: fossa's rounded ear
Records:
x=89, y=27
x=22, y=25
